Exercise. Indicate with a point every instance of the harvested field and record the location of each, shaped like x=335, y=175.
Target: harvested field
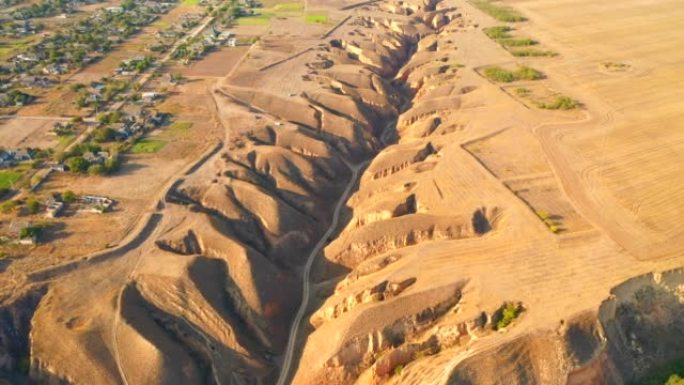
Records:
x=28, y=131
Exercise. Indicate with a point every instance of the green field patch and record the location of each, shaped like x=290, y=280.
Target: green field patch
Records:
x=190, y=2
x=260, y=19
x=498, y=11
x=316, y=18
x=179, y=129
x=8, y=178
x=289, y=7
x=147, y=146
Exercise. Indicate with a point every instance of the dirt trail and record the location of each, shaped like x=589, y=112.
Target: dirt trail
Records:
x=306, y=283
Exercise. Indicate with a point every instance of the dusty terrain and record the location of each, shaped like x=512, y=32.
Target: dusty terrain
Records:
x=376, y=205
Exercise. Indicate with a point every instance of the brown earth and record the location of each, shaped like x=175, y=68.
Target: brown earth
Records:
x=407, y=200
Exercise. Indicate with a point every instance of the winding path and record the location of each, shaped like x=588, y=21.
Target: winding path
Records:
x=306, y=284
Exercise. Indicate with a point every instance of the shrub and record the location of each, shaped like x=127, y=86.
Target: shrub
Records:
x=509, y=312
x=509, y=42
x=30, y=232
x=527, y=73
x=68, y=196
x=498, y=74
x=499, y=12
x=398, y=370
x=77, y=164
x=561, y=103
x=498, y=32
x=104, y=134
x=32, y=205
x=543, y=214
x=532, y=53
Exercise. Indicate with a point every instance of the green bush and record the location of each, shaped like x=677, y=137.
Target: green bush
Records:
x=561, y=103
x=527, y=73
x=509, y=312
x=32, y=205
x=498, y=74
x=499, y=12
x=510, y=42
x=8, y=207
x=68, y=196
x=30, y=232
x=398, y=370
x=77, y=164
x=498, y=32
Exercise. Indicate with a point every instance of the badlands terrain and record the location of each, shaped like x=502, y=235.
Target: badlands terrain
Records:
x=384, y=209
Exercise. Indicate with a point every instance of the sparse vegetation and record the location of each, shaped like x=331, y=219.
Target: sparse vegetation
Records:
x=560, y=103
x=398, y=370
x=531, y=52
x=32, y=205
x=511, y=42
x=508, y=313
x=615, y=67
x=501, y=75
x=498, y=32
x=498, y=11
x=8, y=206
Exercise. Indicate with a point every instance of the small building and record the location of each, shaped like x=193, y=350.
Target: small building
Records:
x=232, y=42
x=95, y=204
x=53, y=207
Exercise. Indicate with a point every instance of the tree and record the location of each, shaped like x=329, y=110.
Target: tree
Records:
x=68, y=196
x=105, y=134
x=32, y=205
x=30, y=232
x=77, y=164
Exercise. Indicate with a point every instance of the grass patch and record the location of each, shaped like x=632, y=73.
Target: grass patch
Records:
x=190, y=2
x=499, y=12
x=501, y=75
x=289, y=7
x=531, y=52
x=8, y=178
x=179, y=129
x=510, y=42
x=147, y=146
x=560, y=103
x=498, y=32
x=316, y=18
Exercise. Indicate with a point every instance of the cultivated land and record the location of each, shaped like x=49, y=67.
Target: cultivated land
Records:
x=376, y=193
